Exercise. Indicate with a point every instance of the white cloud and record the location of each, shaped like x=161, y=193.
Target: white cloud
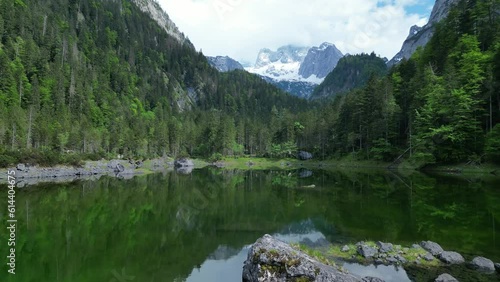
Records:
x=240, y=28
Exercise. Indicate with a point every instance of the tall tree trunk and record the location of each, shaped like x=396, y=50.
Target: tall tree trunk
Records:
x=13, y=135
x=28, y=138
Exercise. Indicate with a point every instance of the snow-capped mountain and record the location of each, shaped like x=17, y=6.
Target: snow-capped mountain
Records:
x=154, y=10
x=420, y=36
x=224, y=63
x=296, y=69
x=282, y=64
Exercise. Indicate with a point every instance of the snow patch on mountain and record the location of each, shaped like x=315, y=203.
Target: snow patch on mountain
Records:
x=285, y=63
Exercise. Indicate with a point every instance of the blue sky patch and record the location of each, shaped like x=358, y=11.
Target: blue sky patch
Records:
x=423, y=8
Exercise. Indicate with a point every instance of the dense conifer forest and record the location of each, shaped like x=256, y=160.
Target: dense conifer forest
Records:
x=91, y=79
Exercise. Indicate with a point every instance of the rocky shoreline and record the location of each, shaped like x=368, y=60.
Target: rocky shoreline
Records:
x=272, y=260
x=27, y=174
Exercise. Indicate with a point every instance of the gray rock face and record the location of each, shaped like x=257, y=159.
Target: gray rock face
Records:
x=384, y=247
x=154, y=10
x=303, y=155
x=420, y=36
x=367, y=251
x=497, y=267
x=320, y=61
x=482, y=264
x=432, y=247
x=451, y=258
x=272, y=260
x=183, y=162
x=224, y=64
x=446, y=278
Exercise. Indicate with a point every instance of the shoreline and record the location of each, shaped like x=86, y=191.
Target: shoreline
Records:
x=125, y=169
x=92, y=170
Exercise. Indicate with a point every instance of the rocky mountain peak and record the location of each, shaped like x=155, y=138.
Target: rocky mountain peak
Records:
x=320, y=61
x=420, y=36
x=285, y=55
x=154, y=10
x=224, y=63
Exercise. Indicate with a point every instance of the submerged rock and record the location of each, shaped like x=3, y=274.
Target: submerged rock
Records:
x=482, y=264
x=445, y=278
x=432, y=247
x=451, y=258
x=270, y=259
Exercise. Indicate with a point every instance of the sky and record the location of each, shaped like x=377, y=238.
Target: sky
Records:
x=240, y=28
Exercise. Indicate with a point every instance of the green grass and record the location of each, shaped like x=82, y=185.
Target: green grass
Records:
x=316, y=254
x=410, y=254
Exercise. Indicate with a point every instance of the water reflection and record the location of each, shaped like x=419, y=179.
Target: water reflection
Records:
x=388, y=273
x=225, y=264
x=169, y=227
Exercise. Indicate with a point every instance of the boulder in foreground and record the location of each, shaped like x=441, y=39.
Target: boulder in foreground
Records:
x=270, y=259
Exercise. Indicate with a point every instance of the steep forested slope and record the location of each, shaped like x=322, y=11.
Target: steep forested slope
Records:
x=351, y=72
x=442, y=105
x=103, y=78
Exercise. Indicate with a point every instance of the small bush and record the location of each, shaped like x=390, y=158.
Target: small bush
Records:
x=215, y=157
x=6, y=160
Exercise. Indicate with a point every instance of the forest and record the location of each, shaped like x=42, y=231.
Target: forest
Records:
x=91, y=79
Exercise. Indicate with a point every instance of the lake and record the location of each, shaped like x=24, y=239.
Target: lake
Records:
x=199, y=227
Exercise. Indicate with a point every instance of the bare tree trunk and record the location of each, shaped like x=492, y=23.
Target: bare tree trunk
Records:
x=491, y=114
x=28, y=138
x=20, y=90
x=13, y=135
x=44, y=25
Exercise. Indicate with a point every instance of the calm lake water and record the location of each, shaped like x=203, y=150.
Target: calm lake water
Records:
x=199, y=227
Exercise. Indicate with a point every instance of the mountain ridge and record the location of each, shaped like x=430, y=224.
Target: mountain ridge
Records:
x=296, y=69
x=224, y=63
x=420, y=36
